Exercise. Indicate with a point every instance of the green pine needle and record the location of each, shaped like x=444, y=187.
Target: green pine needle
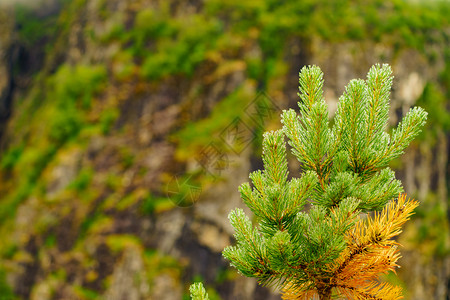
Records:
x=198, y=292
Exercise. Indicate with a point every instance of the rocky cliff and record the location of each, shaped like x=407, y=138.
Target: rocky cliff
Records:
x=127, y=126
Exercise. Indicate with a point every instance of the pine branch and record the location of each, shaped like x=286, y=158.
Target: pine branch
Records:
x=375, y=291
x=310, y=135
x=274, y=157
x=406, y=131
x=379, y=83
x=370, y=250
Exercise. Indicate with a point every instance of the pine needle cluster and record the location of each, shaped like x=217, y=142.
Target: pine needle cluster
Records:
x=198, y=292
x=316, y=236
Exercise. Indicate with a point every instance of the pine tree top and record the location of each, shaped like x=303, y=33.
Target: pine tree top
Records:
x=331, y=249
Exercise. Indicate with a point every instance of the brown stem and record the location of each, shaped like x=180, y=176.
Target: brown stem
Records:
x=324, y=291
x=325, y=294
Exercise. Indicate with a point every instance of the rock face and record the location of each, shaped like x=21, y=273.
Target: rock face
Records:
x=6, y=57
x=123, y=159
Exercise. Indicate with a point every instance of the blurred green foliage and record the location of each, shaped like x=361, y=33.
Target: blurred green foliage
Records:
x=85, y=293
x=33, y=161
x=11, y=157
x=5, y=290
x=432, y=234
x=88, y=223
x=32, y=28
x=83, y=180
x=107, y=119
x=196, y=135
x=434, y=100
x=185, y=51
x=164, y=45
x=68, y=97
x=64, y=125
x=433, y=229
x=119, y=242
x=76, y=85
x=153, y=205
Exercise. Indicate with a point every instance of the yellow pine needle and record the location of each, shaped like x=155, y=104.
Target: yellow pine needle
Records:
x=375, y=232
x=368, y=266
x=292, y=292
x=375, y=291
x=370, y=252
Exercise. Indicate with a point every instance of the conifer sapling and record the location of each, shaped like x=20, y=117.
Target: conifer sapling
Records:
x=316, y=236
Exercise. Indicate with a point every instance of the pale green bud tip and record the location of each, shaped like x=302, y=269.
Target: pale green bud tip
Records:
x=198, y=292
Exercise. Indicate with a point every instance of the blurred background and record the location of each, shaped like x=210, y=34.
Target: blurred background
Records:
x=126, y=127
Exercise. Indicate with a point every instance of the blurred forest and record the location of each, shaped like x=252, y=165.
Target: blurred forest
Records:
x=126, y=127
